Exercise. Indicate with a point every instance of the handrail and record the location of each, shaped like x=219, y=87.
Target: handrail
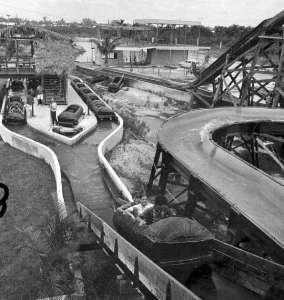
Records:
x=275, y=270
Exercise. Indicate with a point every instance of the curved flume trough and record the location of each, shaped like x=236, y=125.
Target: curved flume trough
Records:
x=193, y=140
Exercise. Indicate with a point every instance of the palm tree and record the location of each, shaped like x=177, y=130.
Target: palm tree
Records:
x=106, y=45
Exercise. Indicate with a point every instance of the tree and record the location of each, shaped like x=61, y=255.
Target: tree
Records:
x=88, y=22
x=61, y=22
x=106, y=45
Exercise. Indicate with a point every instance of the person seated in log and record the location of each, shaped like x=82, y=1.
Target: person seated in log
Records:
x=138, y=209
x=159, y=211
x=124, y=204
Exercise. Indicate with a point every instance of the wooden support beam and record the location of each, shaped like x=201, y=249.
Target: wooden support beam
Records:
x=235, y=76
x=177, y=183
x=246, y=81
x=234, y=81
x=165, y=172
x=224, y=80
x=279, y=91
x=271, y=37
x=279, y=77
x=153, y=170
x=268, y=80
x=271, y=154
x=217, y=92
x=262, y=86
x=269, y=59
x=238, y=58
x=200, y=98
x=178, y=195
x=270, y=137
x=248, y=146
x=236, y=68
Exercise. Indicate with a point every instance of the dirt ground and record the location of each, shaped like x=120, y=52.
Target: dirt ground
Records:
x=132, y=160
x=31, y=184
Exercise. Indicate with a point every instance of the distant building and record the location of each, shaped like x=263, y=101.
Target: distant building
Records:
x=7, y=23
x=154, y=55
x=166, y=22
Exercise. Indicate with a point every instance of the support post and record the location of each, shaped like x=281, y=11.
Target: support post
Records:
x=165, y=172
x=154, y=168
x=278, y=83
x=245, y=90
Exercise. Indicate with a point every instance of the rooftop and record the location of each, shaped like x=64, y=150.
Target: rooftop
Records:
x=166, y=22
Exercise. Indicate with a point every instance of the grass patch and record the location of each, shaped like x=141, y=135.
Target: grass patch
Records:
x=31, y=183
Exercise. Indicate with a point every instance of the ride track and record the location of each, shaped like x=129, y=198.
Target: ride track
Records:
x=248, y=191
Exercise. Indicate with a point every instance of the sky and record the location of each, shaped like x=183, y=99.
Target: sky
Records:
x=208, y=12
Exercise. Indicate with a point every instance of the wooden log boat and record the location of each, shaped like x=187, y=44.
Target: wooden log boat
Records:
x=178, y=244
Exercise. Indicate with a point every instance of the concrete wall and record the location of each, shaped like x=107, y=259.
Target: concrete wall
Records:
x=40, y=151
x=106, y=145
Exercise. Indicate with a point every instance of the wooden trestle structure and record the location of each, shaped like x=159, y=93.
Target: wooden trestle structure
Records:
x=234, y=199
x=250, y=72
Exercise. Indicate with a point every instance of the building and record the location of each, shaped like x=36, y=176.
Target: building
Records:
x=154, y=55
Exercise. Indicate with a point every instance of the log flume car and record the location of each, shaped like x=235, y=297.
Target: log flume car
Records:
x=14, y=111
x=94, y=102
x=70, y=116
x=176, y=243
x=116, y=84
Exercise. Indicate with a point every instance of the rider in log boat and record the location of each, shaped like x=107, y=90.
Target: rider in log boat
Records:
x=157, y=212
x=174, y=242
x=139, y=209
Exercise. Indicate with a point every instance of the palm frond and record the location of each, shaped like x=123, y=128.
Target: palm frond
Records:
x=106, y=45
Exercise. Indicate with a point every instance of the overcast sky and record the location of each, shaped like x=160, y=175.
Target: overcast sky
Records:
x=209, y=12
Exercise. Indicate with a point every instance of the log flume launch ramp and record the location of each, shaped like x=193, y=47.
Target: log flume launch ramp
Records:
x=250, y=72
x=250, y=40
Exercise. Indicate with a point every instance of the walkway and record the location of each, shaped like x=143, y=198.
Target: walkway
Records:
x=42, y=122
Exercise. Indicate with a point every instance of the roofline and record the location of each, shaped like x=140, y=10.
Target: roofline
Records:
x=166, y=22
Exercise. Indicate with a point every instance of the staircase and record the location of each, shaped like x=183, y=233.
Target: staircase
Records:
x=54, y=86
